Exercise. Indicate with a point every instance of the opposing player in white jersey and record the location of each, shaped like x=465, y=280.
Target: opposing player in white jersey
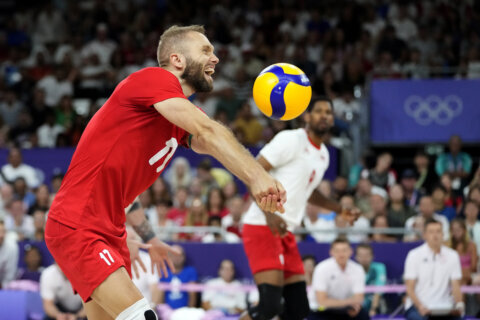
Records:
x=298, y=159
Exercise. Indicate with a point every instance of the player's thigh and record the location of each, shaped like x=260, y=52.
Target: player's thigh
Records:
x=273, y=277
x=116, y=293
x=294, y=279
x=96, y=312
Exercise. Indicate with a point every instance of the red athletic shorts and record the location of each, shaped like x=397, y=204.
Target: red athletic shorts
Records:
x=266, y=251
x=87, y=257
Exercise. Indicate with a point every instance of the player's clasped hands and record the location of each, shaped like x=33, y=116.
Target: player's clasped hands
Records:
x=269, y=194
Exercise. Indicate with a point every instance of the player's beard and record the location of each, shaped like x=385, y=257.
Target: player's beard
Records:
x=194, y=75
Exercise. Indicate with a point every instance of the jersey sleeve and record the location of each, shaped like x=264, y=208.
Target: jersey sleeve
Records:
x=319, y=279
x=359, y=282
x=282, y=149
x=410, y=268
x=149, y=86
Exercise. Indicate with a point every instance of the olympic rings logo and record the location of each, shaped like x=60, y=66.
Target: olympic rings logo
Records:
x=433, y=109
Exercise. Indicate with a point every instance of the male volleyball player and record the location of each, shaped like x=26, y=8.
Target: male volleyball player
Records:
x=298, y=159
x=124, y=148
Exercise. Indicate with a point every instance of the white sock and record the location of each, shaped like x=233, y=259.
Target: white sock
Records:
x=136, y=311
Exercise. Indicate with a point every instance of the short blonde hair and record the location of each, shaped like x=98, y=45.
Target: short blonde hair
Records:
x=171, y=40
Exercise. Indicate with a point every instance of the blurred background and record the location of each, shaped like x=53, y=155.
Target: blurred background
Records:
x=403, y=77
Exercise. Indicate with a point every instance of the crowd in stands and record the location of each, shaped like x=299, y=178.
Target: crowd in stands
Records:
x=60, y=60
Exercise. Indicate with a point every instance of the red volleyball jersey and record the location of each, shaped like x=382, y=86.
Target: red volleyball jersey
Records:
x=124, y=148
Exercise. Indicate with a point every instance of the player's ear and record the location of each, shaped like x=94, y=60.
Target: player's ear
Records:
x=178, y=60
x=306, y=116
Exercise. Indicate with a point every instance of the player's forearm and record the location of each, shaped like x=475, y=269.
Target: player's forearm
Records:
x=410, y=289
x=318, y=199
x=456, y=291
x=50, y=309
x=219, y=142
x=325, y=302
x=137, y=219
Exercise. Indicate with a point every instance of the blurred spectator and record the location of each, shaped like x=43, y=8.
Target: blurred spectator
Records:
x=8, y=257
x=230, y=190
x=65, y=114
x=41, y=199
x=427, y=177
x=405, y=28
x=160, y=191
x=101, y=46
x=225, y=236
x=233, y=221
x=426, y=209
x=457, y=163
x=452, y=199
x=21, y=191
x=362, y=223
x=49, y=25
x=340, y=187
x=309, y=262
x=381, y=222
x=183, y=274
x=378, y=202
x=398, y=211
x=10, y=108
x=466, y=249
x=362, y=196
x=56, y=86
x=417, y=230
x=432, y=277
x=59, y=300
x=160, y=221
x=220, y=293
x=16, y=168
x=18, y=221
x=381, y=175
x=376, y=275
x=339, y=285
x=250, y=128
x=212, y=177
x=178, y=212
x=48, y=132
x=179, y=174
x=474, y=194
x=390, y=44
x=408, y=182
x=33, y=264
x=321, y=223
x=439, y=196
x=472, y=223
x=39, y=219
x=216, y=203
x=197, y=216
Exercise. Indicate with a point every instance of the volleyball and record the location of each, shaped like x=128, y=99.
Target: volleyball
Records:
x=282, y=91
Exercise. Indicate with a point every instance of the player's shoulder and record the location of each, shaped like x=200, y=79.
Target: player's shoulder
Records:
x=325, y=264
x=291, y=135
x=356, y=267
x=149, y=72
x=50, y=272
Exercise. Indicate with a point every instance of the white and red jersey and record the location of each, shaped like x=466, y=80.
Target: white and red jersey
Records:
x=299, y=165
x=121, y=153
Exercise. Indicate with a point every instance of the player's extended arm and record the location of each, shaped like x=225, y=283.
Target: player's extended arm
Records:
x=348, y=214
x=211, y=137
x=157, y=249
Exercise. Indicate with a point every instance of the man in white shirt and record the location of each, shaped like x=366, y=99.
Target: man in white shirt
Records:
x=229, y=298
x=56, y=86
x=471, y=220
x=59, y=301
x=298, y=159
x=427, y=211
x=16, y=168
x=339, y=285
x=8, y=257
x=432, y=278
x=18, y=221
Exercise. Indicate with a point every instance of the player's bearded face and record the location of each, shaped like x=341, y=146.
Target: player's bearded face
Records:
x=194, y=75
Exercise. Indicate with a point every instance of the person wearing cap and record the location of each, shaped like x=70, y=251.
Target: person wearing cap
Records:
x=412, y=194
x=426, y=210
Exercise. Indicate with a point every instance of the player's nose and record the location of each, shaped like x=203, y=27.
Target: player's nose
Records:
x=214, y=59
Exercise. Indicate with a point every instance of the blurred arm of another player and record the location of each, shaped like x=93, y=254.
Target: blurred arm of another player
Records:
x=350, y=215
x=211, y=137
x=158, y=250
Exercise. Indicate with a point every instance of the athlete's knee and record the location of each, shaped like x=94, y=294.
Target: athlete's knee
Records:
x=296, y=300
x=140, y=310
x=270, y=303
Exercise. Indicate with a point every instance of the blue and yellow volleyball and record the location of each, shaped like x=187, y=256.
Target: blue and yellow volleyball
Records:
x=282, y=91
